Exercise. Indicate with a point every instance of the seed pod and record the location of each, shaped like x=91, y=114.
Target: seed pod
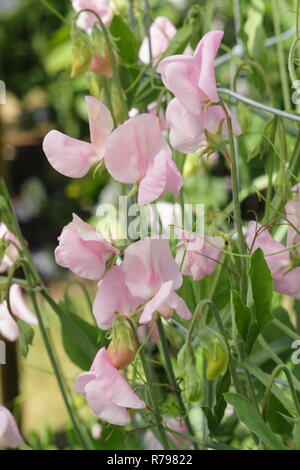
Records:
x=217, y=360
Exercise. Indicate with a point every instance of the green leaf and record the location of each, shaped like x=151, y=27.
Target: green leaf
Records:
x=214, y=416
x=243, y=315
x=250, y=417
x=264, y=379
x=26, y=336
x=179, y=42
x=255, y=31
x=80, y=339
x=124, y=39
x=262, y=289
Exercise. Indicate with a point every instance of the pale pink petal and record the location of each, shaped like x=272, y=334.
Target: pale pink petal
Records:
x=153, y=185
x=8, y=327
x=19, y=307
x=132, y=147
x=206, y=52
x=11, y=252
x=101, y=124
x=10, y=436
x=147, y=264
x=113, y=385
x=70, y=157
x=292, y=210
x=82, y=381
x=161, y=32
x=103, y=407
x=113, y=297
x=156, y=302
x=179, y=305
x=87, y=20
x=82, y=249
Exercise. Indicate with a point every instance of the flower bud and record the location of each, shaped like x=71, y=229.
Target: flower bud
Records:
x=217, y=361
x=122, y=348
x=82, y=55
x=193, y=384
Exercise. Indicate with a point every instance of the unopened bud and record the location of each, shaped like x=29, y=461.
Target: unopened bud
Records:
x=122, y=348
x=217, y=361
x=82, y=55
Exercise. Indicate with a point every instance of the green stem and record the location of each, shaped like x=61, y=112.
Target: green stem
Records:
x=236, y=204
x=171, y=376
x=268, y=391
x=286, y=329
x=112, y=58
x=208, y=15
x=152, y=391
x=281, y=58
x=53, y=360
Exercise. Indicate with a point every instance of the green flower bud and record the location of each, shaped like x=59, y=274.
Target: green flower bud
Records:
x=217, y=360
x=82, y=55
x=193, y=384
x=122, y=348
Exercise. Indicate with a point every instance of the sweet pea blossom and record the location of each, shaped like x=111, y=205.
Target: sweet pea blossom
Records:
x=161, y=32
x=285, y=282
x=83, y=250
x=86, y=20
x=113, y=298
x=10, y=436
x=192, y=79
x=107, y=391
x=11, y=253
x=197, y=255
x=8, y=326
x=137, y=152
x=72, y=157
x=292, y=210
x=187, y=130
x=152, y=274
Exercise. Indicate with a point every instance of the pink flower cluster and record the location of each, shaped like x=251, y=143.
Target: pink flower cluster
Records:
x=192, y=80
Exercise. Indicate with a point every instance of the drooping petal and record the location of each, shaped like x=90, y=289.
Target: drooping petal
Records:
x=113, y=297
x=179, y=305
x=103, y=407
x=132, y=147
x=19, y=307
x=206, y=52
x=154, y=305
x=82, y=249
x=147, y=264
x=70, y=157
x=10, y=436
x=8, y=327
x=82, y=381
x=101, y=124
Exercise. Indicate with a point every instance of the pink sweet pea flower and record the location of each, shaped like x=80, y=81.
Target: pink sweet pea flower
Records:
x=83, y=250
x=137, y=152
x=73, y=157
x=198, y=255
x=11, y=252
x=87, y=20
x=187, y=130
x=292, y=210
x=8, y=326
x=107, y=391
x=287, y=283
x=152, y=274
x=192, y=79
x=161, y=32
x=113, y=297
x=10, y=437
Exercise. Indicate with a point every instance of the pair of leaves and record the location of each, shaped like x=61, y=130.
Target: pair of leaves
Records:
x=251, y=321
x=250, y=417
